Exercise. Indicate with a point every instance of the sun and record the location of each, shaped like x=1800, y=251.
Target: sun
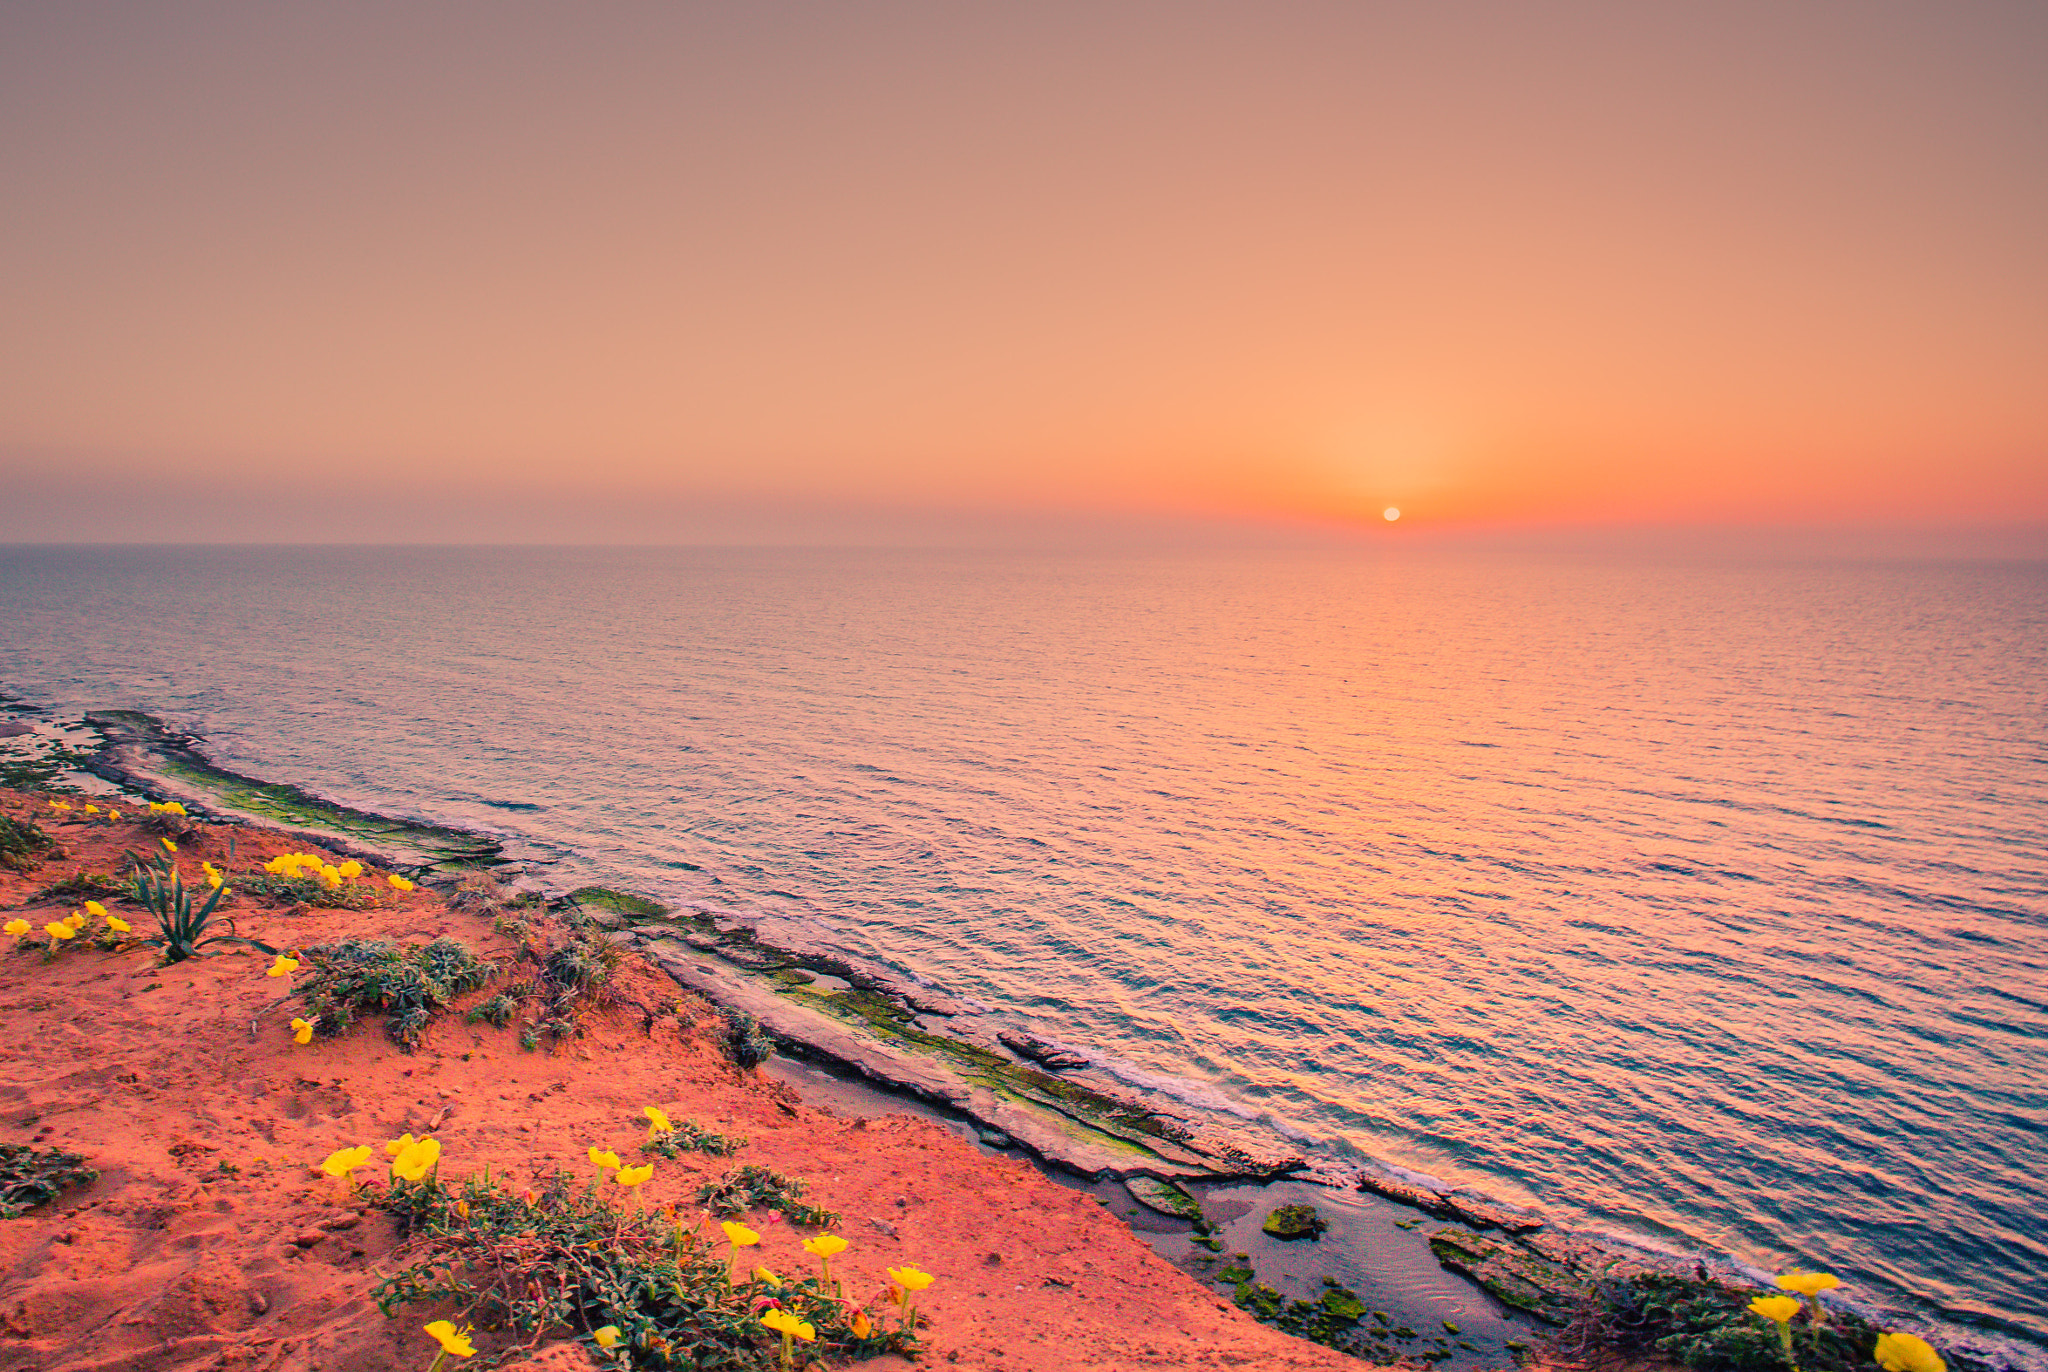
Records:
x=1390, y=514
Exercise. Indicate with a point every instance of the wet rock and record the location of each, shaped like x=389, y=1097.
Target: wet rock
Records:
x=1039, y=1051
x=994, y=1138
x=1295, y=1222
x=1449, y=1205
x=1163, y=1196
x=1513, y=1273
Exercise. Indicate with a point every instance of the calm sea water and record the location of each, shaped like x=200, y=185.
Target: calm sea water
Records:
x=1704, y=903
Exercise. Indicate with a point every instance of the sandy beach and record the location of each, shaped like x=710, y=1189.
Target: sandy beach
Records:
x=211, y=1240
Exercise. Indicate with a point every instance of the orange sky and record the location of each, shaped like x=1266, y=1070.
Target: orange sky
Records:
x=1497, y=264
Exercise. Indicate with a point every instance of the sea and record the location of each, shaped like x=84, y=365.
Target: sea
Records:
x=1697, y=901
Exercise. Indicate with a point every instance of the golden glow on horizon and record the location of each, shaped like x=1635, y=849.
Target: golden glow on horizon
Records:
x=1314, y=264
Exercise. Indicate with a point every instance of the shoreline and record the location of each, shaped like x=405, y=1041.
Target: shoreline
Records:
x=887, y=1036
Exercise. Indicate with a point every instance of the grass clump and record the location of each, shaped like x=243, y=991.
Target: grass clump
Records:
x=688, y=1136
x=754, y=1187
x=1710, y=1328
x=23, y=844
x=408, y=982
x=564, y=1259
x=36, y=1176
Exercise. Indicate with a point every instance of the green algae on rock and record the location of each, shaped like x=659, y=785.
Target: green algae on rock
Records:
x=1295, y=1222
x=1514, y=1273
x=143, y=752
x=1168, y=1198
x=627, y=903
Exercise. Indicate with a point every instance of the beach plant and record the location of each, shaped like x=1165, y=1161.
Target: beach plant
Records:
x=688, y=1136
x=409, y=983
x=1711, y=1327
x=496, y=1012
x=650, y=1293
x=23, y=844
x=753, y=1187
x=183, y=931
x=745, y=1042
x=31, y=1176
x=566, y=981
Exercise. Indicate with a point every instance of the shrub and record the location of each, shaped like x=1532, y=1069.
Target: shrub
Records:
x=84, y=885
x=1710, y=1328
x=745, y=1043
x=688, y=1136
x=565, y=1259
x=308, y=890
x=754, y=1187
x=22, y=844
x=411, y=982
x=36, y=1176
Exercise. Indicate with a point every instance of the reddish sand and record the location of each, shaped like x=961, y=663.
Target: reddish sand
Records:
x=159, y=1075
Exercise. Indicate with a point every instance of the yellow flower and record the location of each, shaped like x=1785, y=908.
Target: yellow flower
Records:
x=824, y=1248
x=451, y=1339
x=399, y=883
x=633, y=1176
x=462, y=1209
x=60, y=929
x=788, y=1325
x=394, y=1147
x=910, y=1279
x=172, y=807
x=168, y=845
x=604, y=1158
x=1906, y=1353
x=763, y=1274
x=861, y=1327
x=416, y=1161
x=738, y=1235
x=607, y=1336
x=59, y=805
x=119, y=926
x=302, y=1031
x=350, y=869
x=92, y=809
x=657, y=1122
x=76, y=919
x=346, y=1160
x=283, y=967
x=114, y=814
x=1808, y=1283
x=1777, y=1308
x=95, y=909
x=330, y=877
x=17, y=927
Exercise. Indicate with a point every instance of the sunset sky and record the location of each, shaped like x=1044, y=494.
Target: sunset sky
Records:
x=764, y=271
